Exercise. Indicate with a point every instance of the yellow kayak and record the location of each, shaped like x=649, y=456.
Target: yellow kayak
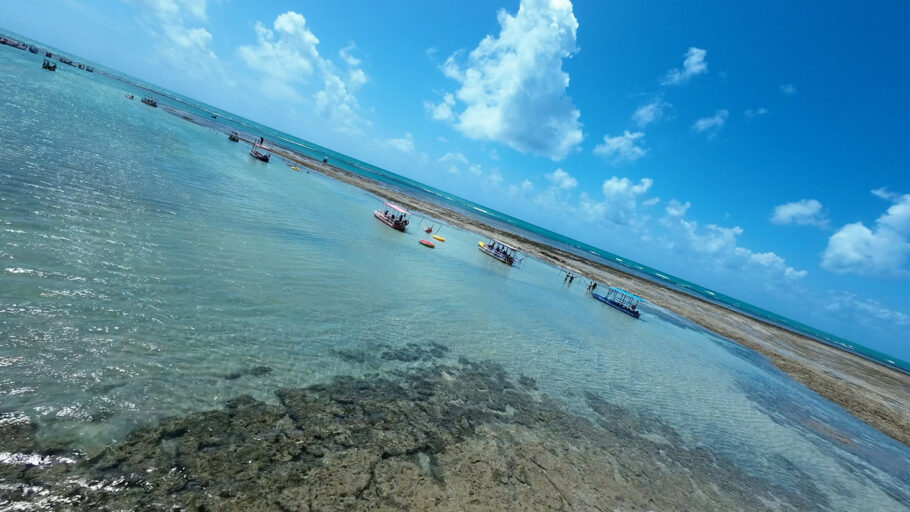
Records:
x=481, y=244
x=437, y=237
x=294, y=168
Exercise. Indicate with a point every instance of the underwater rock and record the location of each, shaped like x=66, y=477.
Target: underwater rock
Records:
x=411, y=352
x=439, y=437
x=254, y=371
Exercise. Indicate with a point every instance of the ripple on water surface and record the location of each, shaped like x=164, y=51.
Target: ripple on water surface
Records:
x=149, y=269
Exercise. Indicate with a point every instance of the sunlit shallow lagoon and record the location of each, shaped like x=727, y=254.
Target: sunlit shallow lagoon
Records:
x=150, y=268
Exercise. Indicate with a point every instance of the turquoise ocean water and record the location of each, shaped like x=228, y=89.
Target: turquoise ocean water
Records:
x=227, y=121
x=146, y=261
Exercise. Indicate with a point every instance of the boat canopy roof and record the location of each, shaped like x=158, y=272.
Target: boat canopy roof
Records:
x=620, y=290
x=397, y=208
x=507, y=246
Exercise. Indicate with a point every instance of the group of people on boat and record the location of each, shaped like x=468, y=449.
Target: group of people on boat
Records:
x=500, y=251
x=497, y=248
x=396, y=219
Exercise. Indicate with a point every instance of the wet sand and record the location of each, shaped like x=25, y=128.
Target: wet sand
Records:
x=876, y=394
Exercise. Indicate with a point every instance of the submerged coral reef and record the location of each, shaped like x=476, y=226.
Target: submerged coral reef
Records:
x=432, y=436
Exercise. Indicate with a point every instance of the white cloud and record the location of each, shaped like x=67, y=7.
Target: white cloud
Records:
x=773, y=261
x=622, y=147
x=651, y=202
x=345, y=54
x=880, y=251
x=561, y=180
x=850, y=304
x=443, y=110
x=650, y=113
x=623, y=186
x=693, y=65
x=756, y=112
x=513, y=87
x=181, y=45
x=711, y=125
x=453, y=162
x=885, y=194
x=718, y=246
x=404, y=144
x=288, y=61
x=677, y=209
x=621, y=211
x=176, y=8
x=621, y=198
x=522, y=190
x=337, y=104
x=788, y=89
x=805, y=212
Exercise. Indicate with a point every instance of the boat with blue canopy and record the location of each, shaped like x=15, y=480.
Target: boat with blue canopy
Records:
x=621, y=300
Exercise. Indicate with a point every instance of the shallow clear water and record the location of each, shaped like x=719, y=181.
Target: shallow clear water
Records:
x=146, y=263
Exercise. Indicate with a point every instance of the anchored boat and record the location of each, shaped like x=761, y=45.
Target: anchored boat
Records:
x=621, y=300
x=393, y=216
x=502, y=252
x=150, y=102
x=263, y=157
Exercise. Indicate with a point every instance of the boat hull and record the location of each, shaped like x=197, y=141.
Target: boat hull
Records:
x=498, y=255
x=634, y=313
x=259, y=156
x=389, y=222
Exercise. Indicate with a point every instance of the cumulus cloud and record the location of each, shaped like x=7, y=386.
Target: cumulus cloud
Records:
x=712, y=124
x=524, y=189
x=651, y=202
x=513, y=87
x=288, y=60
x=878, y=251
x=693, y=65
x=620, y=202
x=650, y=113
x=885, y=194
x=177, y=8
x=788, y=89
x=561, y=179
x=849, y=303
x=805, y=212
x=347, y=57
x=718, y=245
x=677, y=209
x=442, y=111
x=404, y=144
x=622, y=147
x=183, y=44
x=453, y=162
x=755, y=112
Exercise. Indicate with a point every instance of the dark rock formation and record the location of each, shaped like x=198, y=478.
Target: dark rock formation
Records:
x=441, y=437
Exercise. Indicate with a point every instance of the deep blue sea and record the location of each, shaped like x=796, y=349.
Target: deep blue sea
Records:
x=147, y=264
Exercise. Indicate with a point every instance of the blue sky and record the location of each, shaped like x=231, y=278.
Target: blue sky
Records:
x=756, y=149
